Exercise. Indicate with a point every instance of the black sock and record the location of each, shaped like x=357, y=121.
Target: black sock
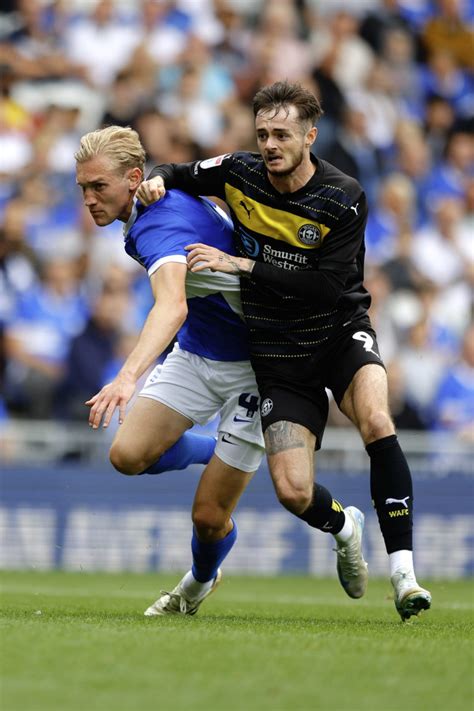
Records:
x=324, y=512
x=391, y=489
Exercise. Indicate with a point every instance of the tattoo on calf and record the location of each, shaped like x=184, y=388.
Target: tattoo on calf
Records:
x=281, y=436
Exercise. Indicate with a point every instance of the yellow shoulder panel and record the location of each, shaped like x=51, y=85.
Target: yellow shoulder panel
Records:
x=278, y=224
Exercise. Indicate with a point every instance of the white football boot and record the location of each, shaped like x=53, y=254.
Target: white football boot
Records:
x=351, y=566
x=177, y=601
x=410, y=599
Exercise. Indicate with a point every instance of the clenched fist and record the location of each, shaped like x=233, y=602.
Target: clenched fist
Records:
x=151, y=191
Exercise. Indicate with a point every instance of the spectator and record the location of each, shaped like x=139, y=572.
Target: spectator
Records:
x=440, y=249
x=18, y=262
x=37, y=338
x=126, y=100
x=453, y=402
x=422, y=367
x=34, y=49
x=203, y=119
x=453, y=175
x=277, y=40
x=97, y=343
x=337, y=44
x=101, y=43
x=444, y=77
x=376, y=99
x=447, y=31
x=162, y=33
x=439, y=121
x=392, y=216
x=382, y=20
x=352, y=151
x=49, y=221
x=16, y=130
x=399, y=55
x=412, y=157
x=405, y=414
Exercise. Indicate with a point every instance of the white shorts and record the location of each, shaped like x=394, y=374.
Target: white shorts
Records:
x=199, y=389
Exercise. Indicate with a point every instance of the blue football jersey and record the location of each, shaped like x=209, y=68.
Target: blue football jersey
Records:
x=158, y=234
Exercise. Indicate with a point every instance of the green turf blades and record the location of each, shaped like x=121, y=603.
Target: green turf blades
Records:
x=270, y=643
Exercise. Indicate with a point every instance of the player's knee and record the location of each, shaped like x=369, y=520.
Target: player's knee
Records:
x=124, y=461
x=209, y=522
x=377, y=425
x=293, y=497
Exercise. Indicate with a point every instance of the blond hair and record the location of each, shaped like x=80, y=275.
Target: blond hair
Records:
x=121, y=144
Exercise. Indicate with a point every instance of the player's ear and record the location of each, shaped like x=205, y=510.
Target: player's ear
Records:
x=311, y=136
x=135, y=177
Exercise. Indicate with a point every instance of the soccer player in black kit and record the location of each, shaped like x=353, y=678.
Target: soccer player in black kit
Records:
x=299, y=228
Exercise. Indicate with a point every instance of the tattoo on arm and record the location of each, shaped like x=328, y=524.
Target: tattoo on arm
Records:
x=234, y=264
x=239, y=266
x=281, y=436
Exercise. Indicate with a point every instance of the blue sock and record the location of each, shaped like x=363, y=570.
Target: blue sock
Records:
x=207, y=557
x=189, y=449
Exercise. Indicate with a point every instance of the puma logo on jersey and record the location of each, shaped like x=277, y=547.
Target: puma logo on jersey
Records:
x=247, y=210
x=398, y=501
x=354, y=207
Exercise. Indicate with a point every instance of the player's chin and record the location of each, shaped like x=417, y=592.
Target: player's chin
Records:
x=278, y=169
x=101, y=219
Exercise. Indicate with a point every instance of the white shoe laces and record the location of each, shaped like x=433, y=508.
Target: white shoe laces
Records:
x=175, y=602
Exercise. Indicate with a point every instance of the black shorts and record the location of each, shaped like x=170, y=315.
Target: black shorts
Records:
x=296, y=391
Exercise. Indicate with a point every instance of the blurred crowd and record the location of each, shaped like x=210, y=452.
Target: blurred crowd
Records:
x=395, y=78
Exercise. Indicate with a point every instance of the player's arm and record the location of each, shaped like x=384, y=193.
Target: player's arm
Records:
x=203, y=256
x=324, y=285
x=196, y=178
x=165, y=318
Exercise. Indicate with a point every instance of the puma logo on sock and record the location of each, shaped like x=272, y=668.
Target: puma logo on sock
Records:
x=398, y=501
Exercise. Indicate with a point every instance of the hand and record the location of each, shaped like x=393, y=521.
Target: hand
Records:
x=103, y=404
x=203, y=256
x=150, y=191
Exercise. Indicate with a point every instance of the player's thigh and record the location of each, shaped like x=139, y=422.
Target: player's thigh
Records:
x=149, y=429
x=185, y=383
x=365, y=402
x=354, y=347
x=218, y=492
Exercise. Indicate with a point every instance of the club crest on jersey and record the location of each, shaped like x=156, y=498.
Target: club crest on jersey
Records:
x=309, y=234
x=213, y=162
x=267, y=407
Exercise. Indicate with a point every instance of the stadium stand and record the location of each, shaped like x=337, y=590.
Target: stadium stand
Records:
x=398, y=92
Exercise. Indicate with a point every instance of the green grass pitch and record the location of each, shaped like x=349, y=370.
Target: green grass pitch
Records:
x=75, y=641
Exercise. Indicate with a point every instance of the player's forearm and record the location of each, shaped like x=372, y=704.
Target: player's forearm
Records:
x=241, y=266
x=160, y=328
x=176, y=175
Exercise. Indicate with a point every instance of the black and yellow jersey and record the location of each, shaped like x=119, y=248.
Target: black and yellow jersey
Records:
x=308, y=246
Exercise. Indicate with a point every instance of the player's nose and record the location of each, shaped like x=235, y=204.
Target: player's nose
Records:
x=89, y=199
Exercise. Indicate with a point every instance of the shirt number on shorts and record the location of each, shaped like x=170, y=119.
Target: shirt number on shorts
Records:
x=367, y=340
x=250, y=403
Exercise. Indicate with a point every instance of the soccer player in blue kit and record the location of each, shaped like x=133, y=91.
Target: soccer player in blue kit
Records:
x=207, y=372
